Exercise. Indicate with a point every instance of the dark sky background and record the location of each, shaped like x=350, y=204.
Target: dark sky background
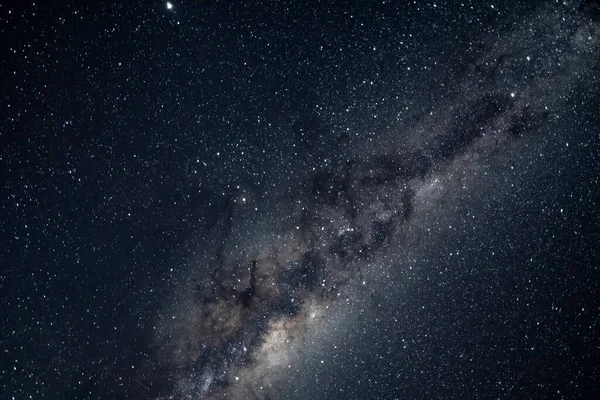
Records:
x=300, y=200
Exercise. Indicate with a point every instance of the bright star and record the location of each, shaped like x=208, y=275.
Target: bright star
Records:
x=169, y=5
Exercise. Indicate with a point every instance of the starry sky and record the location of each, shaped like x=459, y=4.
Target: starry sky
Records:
x=300, y=200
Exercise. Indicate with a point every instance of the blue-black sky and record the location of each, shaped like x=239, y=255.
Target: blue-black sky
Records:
x=292, y=200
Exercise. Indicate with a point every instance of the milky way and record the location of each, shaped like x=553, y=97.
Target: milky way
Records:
x=262, y=294
x=297, y=200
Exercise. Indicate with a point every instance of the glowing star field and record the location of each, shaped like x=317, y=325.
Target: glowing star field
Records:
x=279, y=201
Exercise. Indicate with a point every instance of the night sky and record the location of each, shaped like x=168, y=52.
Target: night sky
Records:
x=300, y=200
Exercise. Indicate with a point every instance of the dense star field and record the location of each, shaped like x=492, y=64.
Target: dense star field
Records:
x=297, y=200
